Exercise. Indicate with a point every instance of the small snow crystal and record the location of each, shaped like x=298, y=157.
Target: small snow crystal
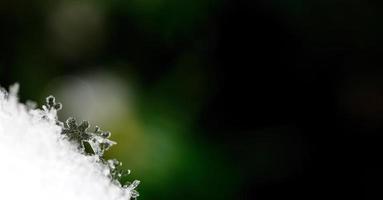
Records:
x=43, y=158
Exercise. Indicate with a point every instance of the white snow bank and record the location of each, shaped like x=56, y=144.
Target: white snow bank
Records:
x=36, y=162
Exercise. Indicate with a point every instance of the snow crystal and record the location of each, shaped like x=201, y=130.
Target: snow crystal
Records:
x=38, y=163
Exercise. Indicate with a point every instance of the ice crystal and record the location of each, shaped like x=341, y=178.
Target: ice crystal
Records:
x=58, y=160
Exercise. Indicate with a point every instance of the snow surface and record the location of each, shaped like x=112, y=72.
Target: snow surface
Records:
x=36, y=162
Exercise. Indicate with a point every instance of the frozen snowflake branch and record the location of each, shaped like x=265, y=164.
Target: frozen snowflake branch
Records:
x=23, y=121
x=93, y=143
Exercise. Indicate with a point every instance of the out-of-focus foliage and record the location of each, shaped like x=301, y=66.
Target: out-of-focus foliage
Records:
x=212, y=99
x=140, y=68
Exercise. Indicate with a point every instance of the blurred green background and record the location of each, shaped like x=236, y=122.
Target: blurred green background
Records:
x=213, y=99
x=137, y=68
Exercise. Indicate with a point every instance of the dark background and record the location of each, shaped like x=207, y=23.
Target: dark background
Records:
x=263, y=99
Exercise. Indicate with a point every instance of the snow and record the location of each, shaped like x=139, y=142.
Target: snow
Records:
x=37, y=162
